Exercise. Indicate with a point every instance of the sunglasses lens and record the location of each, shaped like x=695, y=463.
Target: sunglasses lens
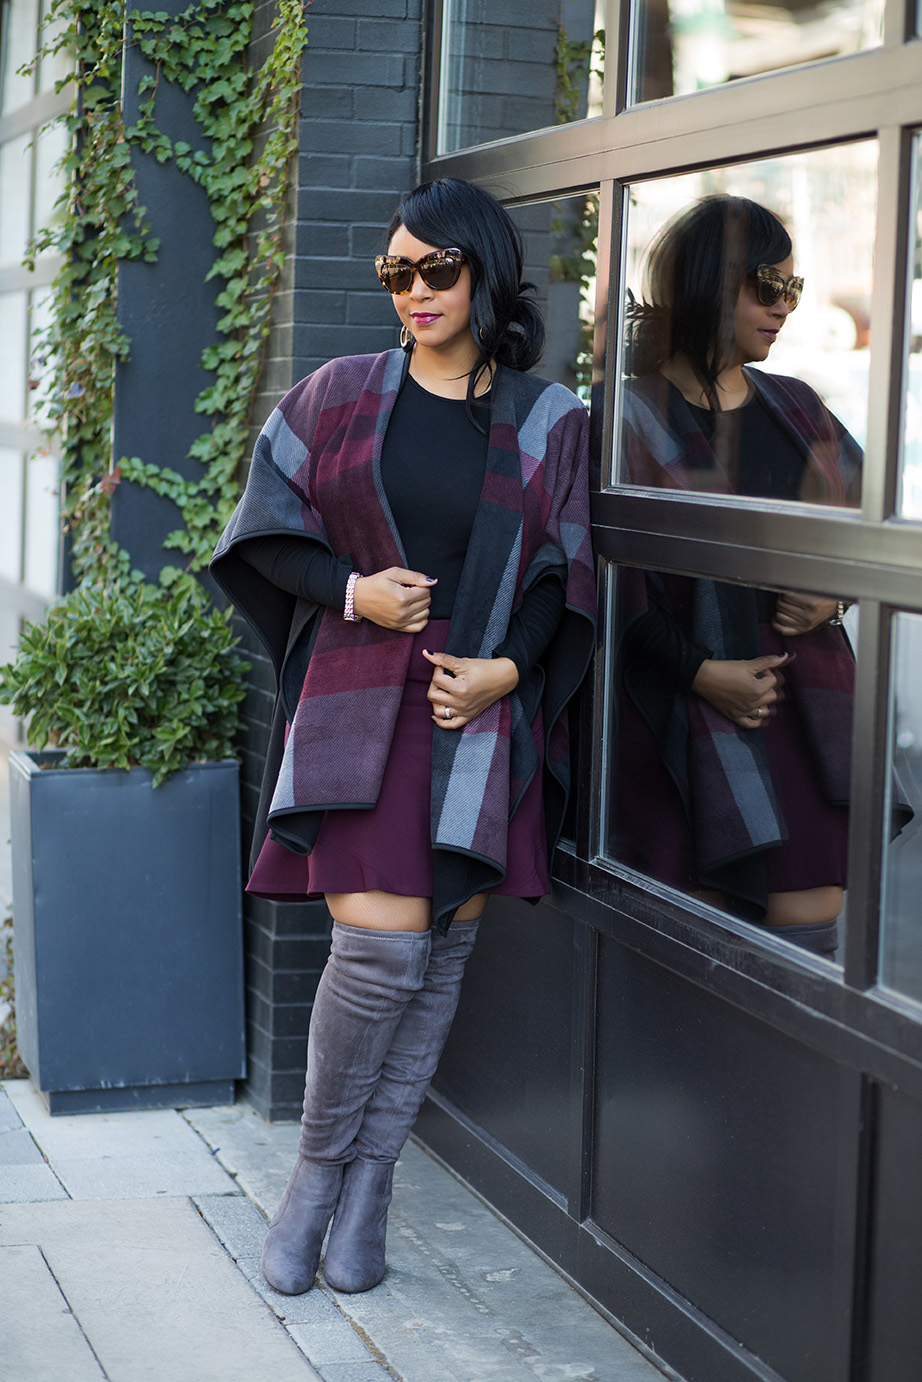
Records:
x=395, y=274
x=772, y=285
x=440, y=271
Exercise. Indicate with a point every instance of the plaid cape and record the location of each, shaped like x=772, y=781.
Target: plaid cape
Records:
x=316, y=471
x=719, y=769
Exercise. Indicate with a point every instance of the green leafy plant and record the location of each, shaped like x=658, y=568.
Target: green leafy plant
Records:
x=245, y=116
x=11, y=1067
x=130, y=675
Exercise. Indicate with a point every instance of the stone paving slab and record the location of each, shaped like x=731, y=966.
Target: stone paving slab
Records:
x=29, y=1184
x=154, y=1292
x=42, y=1340
x=10, y=1120
x=257, y=1154
x=121, y=1155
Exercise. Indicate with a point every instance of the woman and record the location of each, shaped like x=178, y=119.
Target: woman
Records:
x=735, y=705
x=413, y=549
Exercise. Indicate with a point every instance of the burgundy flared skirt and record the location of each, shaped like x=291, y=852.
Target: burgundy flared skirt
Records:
x=389, y=848
x=652, y=832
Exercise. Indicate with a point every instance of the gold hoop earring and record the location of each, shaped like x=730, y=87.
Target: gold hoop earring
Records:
x=406, y=339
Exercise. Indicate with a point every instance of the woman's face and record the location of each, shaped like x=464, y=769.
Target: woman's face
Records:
x=756, y=326
x=438, y=319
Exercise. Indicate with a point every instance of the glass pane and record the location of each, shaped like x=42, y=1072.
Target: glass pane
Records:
x=39, y=374
x=710, y=293
x=50, y=147
x=13, y=342
x=15, y=185
x=58, y=65
x=901, y=932
x=18, y=23
x=910, y=503
x=560, y=258
x=42, y=522
x=507, y=68
x=11, y=467
x=681, y=46
x=730, y=739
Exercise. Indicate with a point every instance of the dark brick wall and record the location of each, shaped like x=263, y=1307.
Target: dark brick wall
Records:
x=359, y=143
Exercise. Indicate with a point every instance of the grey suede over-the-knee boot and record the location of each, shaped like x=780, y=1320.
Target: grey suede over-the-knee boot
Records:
x=369, y=978
x=355, y=1255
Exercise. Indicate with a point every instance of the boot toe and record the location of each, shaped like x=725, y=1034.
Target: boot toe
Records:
x=285, y=1270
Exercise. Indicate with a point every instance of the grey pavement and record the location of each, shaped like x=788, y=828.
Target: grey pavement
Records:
x=129, y=1250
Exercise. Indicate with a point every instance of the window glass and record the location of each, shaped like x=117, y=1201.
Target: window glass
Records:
x=681, y=46
x=901, y=933
x=18, y=23
x=910, y=503
x=507, y=68
x=40, y=564
x=57, y=65
x=15, y=185
x=729, y=747
x=11, y=463
x=13, y=343
x=50, y=147
x=560, y=260
x=726, y=347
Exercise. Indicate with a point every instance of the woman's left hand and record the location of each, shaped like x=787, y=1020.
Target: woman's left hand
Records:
x=466, y=686
x=796, y=614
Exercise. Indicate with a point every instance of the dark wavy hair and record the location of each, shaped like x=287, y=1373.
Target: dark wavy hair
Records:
x=506, y=322
x=695, y=270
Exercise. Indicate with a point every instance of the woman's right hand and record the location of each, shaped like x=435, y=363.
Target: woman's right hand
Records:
x=744, y=691
x=395, y=599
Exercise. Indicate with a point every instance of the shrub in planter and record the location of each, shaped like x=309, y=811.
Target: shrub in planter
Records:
x=121, y=676
x=126, y=850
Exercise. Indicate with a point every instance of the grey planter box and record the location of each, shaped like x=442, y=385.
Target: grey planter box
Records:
x=127, y=934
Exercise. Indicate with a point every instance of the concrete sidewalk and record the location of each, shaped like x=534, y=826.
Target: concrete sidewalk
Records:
x=129, y=1250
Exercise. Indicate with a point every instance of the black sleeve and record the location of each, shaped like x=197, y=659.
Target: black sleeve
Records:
x=300, y=567
x=657, y=639
x=532, y=626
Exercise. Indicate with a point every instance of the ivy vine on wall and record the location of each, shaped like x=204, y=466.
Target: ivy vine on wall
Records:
x=247, y=120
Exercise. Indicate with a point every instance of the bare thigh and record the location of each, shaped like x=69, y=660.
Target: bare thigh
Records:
x=381, y=911
x=808, y=907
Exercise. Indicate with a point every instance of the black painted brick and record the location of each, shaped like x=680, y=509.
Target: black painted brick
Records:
x=319, y=237
x=353, y=70
x=389, y=35
x=325, y=31
x=318, y=306
x=379, y=9
x=354, y=204
x=386, y=105
x=281, y=1019
x=367, y=136
x=326, y=170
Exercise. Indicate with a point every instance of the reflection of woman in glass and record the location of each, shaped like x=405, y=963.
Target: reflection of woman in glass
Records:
x=735, y=706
